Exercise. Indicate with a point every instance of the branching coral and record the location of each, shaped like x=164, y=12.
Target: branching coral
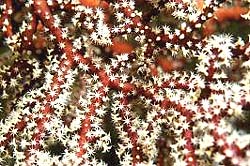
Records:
x=124, y=83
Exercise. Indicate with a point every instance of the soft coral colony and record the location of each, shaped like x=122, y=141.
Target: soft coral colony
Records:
x=123, y=82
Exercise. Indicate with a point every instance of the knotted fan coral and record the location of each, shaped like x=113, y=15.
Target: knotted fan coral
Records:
x=124, y=82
